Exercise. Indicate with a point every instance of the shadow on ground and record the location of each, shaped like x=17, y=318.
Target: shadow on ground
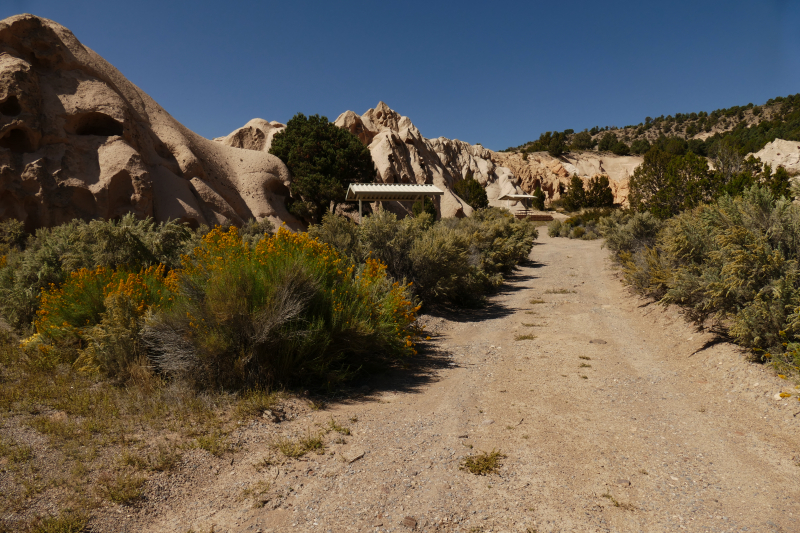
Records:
x=414, y=374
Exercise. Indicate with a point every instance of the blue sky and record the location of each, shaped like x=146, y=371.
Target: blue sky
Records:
x=498, y=73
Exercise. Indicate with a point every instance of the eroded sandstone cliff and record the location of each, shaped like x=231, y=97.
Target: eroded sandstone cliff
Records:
x=78, y=140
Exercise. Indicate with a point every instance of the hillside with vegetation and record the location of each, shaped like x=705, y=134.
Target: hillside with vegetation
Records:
x=747, y=128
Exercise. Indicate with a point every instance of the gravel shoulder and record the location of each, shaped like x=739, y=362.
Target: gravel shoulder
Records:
x=617, y=416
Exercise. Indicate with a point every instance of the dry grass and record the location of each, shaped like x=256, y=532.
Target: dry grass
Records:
x=482, y=464
x=536, y=301
x=296, y=448
x=524, y=337
x=123, y=487
x=334, y=426
x=585, y=365
x=560, y=291
x=68, y=521
x=102, y=439
x=256, y=491
x=585, y=357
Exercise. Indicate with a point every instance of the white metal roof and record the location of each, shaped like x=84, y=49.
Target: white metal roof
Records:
x=516, y=197
x=390, y=191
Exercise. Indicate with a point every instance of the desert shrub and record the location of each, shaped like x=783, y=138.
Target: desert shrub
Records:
x=451, y=261
x=734, y=261
x=289, y=309
x=52, y=254
x=94, y=318
x=554, y=228
x=627, y=232
x=581, y=226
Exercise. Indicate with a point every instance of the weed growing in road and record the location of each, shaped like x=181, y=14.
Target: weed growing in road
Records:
x=531, y=313
x=626, y=506
x=584, y=377
x=584, y=365
x=353, y=419
x=334, y=426
x=531, y=325
x=534, y=301
x=526, y=437
x=524, y=337
x=559, y=291
x=295, y=449
x=585, y=357
x=483, y=463
x=643, y=472
x=255, y=491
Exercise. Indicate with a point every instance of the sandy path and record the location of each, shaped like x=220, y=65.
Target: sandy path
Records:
x=661, y=434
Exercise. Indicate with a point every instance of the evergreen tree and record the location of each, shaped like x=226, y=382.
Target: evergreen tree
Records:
x=575, y=198
x=471, y=192
x=599, y=193
x=323, y=159
x=538, y=199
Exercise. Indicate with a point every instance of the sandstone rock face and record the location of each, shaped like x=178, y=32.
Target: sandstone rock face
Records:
x=554, y=174
x=255, y=135
x=402, y=155
x=781, y=153
x=78, y=140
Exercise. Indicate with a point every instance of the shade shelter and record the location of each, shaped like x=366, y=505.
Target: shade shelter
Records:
x=524, y=213
x=517, y=198
x=383, y=192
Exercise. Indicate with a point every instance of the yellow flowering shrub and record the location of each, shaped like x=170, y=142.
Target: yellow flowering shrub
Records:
x=288, y=308
x=68, y=311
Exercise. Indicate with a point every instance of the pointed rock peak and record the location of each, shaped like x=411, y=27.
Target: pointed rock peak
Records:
x=383, y=116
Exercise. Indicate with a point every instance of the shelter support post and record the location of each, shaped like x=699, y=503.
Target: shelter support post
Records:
x=359, y=211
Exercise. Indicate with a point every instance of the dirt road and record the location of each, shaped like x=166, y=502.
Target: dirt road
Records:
x=616, y=417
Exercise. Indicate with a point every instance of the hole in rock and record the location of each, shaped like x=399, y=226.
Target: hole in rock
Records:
x=11, y=107
x=16, y=140
x=94, y=123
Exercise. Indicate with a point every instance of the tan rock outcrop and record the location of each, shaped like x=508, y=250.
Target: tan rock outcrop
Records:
x=402, y=155
x=781, y=153
x=77, y=139
x=554, y=174
x=255, y=135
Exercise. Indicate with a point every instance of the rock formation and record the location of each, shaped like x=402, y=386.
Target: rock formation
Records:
x=78, y=140
x=402, y=155
x=781, y=153
x=554, y=174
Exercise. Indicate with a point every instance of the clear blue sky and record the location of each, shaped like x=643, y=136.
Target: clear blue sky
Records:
x=498, y=73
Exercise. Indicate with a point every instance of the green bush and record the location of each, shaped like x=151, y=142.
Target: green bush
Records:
x=52, y=254
x=538, y=198
x=733, y=262
x=451, y=261
x=471, y=192
x=323, y=160
x=585, y=226
x=289, y=310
